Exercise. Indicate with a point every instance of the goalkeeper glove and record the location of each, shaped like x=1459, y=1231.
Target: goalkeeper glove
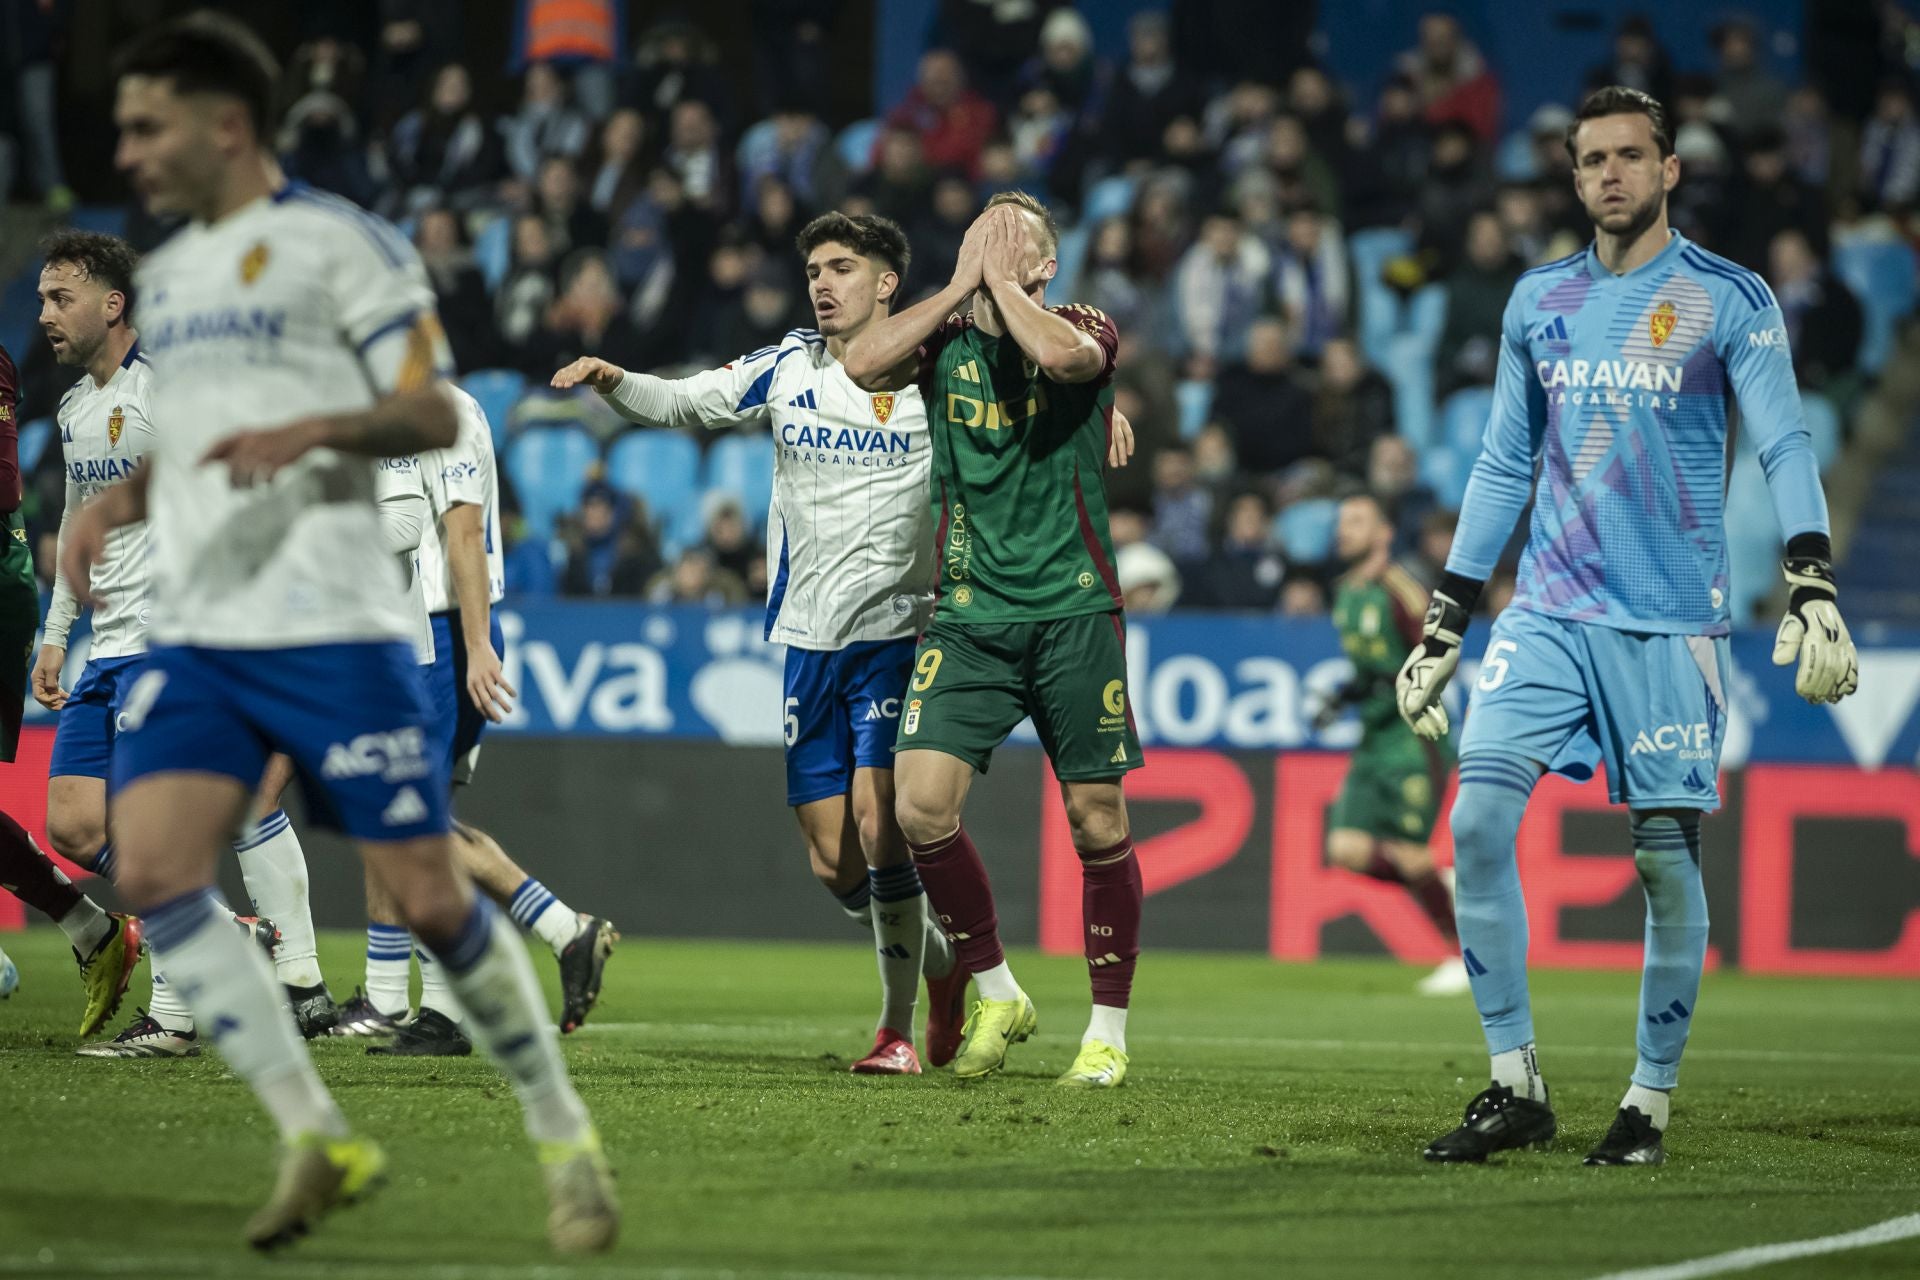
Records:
x=1424, y=675
x=1814, y=634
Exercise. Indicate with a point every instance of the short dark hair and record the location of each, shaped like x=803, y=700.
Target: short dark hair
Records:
x=209, y=53
x=97, y=256
x=1619, y=100
x=867, y=234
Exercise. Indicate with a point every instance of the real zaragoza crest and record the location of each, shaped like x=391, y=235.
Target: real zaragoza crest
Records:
x=882, y=406
x=1660, y=323
x=115, y=421
x=254, y=263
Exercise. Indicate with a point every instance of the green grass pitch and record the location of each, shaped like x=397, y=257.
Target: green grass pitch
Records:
x=1272, y=1127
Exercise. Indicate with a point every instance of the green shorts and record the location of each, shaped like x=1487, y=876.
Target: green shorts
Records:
x=1392, y=794
x=973, y=682
x=19, y=621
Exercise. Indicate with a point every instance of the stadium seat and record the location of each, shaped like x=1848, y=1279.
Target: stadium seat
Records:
x=1463, y=418
x=1882, y=275
x=493, y=251
x=758, y=139
x=1378, y=306
x=742, y=465
x=1194, y=396
x=1408, y=369
x=1108, y=198
x=1444, y=469
x=855, y=145
x=660, y=466
x=498, y=391
x=1823, y=424
x=34, y=437
x=1753, y=540
x=1305, y=529
x=549, y=468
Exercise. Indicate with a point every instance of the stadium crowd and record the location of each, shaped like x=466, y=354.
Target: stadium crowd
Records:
x=1308, y=286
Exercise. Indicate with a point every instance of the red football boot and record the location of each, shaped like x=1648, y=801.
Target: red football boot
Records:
x=892, y=1055
x=946, y=1014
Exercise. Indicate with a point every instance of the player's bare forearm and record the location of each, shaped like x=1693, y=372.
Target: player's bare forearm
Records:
x=122, y=504
x=1064, y=351
x=467, y=563
x=405, y=422
x=882, y=358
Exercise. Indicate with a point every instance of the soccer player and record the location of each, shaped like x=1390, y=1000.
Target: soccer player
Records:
x=463, y=575
x=86, y=306
x=279, y=620
x=1390, y=800
x=850, y=534
x=106, y=944
x=1617, y=364
x=1027, y=616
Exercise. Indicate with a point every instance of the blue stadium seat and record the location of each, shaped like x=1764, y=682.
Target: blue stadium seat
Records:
x=1463, y=418
x=1823, y=424
x=660, y=466
x=1194, y=396
x=1408, y=368
x=742, y=465
x=34, y=437
x=1108, y=198
x=549, y=466
x=1445, y=468
x=757, y=139
x=498, y=391
x=855, y=145
x=1883, y=276
x=1378, y=306
x=1753, y=540
x=493, y=251
x=1305, y=529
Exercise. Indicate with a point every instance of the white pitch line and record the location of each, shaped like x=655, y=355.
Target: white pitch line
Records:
x=239, y=1264
x=746, y=1031
x=1764, y=1255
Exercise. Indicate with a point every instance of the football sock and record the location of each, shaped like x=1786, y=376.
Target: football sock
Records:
x=1380, y=866
x=167, y=1008
x=1666, y=850
x=857, y=902
x=996, y=982
x=275, y=869
x=389, y=967
x=937, y=957
x=1430, y=891
x=1488, y=906
x=1651, y=1103
x=227, y=982
x=535, y=909
x=1111, y=894
x=488, y=967
x=1108, y=1024
x=30, y=876
x=899, y=936
x=1519, y=1070
x=105, y=863
x=959, y=892
x=87, y=925
x=436, y=990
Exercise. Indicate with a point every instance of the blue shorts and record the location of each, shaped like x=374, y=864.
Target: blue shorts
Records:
x=83, y=743
x=458, y=724
x=1570, y=695
x=842, y=712
x=354, y=718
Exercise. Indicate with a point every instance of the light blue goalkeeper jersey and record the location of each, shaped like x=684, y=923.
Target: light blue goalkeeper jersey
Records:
x=1611, y=408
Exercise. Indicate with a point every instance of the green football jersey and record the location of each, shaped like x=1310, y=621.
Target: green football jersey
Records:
x=1019, y=491
x=16, y=557
x=1379, y=621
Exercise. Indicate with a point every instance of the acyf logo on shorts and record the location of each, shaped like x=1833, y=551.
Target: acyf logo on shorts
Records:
x=400, y=756
x=1692, y=741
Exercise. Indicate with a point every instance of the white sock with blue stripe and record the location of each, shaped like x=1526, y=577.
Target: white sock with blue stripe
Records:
x=857, y=902
x=275, y=869
x=899, y=909
x=535, y=909
x=389, y=967
x=436, y=992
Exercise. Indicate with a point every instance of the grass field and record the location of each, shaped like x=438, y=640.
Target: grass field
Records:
x=1272, y=1127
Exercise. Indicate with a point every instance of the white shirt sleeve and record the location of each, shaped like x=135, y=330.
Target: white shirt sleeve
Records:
x=64, y=609
x=386, y=307
x=401, y=504
x=733, y=394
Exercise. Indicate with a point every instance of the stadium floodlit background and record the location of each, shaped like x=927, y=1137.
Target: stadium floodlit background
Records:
x=1305, y=219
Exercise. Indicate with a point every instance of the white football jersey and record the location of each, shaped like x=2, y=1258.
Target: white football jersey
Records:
x=464, y=472
x=400, y=497
x=298, y=304
x=850, y=530
x=105, y=436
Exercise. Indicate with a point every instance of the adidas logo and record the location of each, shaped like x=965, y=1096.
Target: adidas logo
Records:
x=968, y=372
x=897, y=951
x=1555, y=330
x=407, y=807
x=1673, y=1013
x=1109, y=958
x=1119, y=755
x=804, y=400
x=1474, y=967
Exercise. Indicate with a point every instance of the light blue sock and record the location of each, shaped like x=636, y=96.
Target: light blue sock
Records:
x=1666, y=849
x=1488, y=907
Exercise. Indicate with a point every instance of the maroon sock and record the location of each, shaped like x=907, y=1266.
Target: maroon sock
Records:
x=960, y=894
x=1431, y=893
x=1111, y=894
x=1380, y=866
x=30, y=875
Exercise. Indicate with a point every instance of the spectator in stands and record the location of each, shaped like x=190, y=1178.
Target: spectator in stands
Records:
x=1393, y=474
x=621, y=162
x=769, y=305
x=1107, y=280
x=643, y=249
x=729, y=539
x=1310, y=281
x=588, y=318
x=1182, y=509
x=1263, y=404
x=1239, y=121
x=990, y=42
x=1890, y=150
x=1435, y=544
x=1302, y=597
x=899, y=183
x=1215, y=464
x=772, y=220
x=796, y=150
x=610, y=546
x=1385, y=174
x=319, y=145
x=1317, y=103
x=677, y=63
x=1452, y=79
x=1638, y=61
x=1824, y=319
x=531, y=283
x=1161, y=229
x=417, y=38
x=1477, y=294
x=937, y=233
x=694, y=152
x=1352, y=407
x=1766, y=198
x=1807, y=125
x=714, y=323
x=1698, y=206
x=1148, y=95
x=1547, y=143
x=1457, y=183
x=1246, y=571
x=952, y=122
x=546, y=124
x=572, y=223
x=443, y=151
x=1127, y=525
x=696, y=579
x=790, y=53
x=580, y=40
x=1039, y=129
x=1304, y=178
x=329, y=65
x=30, y=70
x=1220, y=287
x=1753, y=96
x=1523, y=224
x=460, y=294
x=1149, y=580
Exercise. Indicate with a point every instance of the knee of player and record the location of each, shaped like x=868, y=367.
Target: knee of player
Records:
x=1349, y=849
x=1482, y=826
x=76, y=837
x=920, y=822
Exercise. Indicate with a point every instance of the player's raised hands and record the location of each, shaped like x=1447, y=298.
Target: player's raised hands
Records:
x=599, y=374
x=967, y=268
x=255, y=457
x=1120, y=441
x=1004, y=246
x=46, y=677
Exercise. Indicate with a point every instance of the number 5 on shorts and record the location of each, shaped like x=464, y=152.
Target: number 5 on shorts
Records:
x=925, y=668
x=1493, y=667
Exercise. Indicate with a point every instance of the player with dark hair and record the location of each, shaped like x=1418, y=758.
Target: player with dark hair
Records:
x=1617, y=367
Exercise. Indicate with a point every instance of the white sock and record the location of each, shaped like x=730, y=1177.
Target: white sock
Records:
x=234, y=996
x=1651, y=1103
x=86, y=926
x=275, y=870
x=937, y=954
x=167, y=1008
x=997, y=983
x=1108, y=1024
x=436, y=992
x=857, y=902
x=899, y=933
x=535, y=909
x=1519, y=1070
x=488, y=966
x=389, y=967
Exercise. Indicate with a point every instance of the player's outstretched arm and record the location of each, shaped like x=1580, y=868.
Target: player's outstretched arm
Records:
x=885, y=355
x=1064, y=351
x=405, y=422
